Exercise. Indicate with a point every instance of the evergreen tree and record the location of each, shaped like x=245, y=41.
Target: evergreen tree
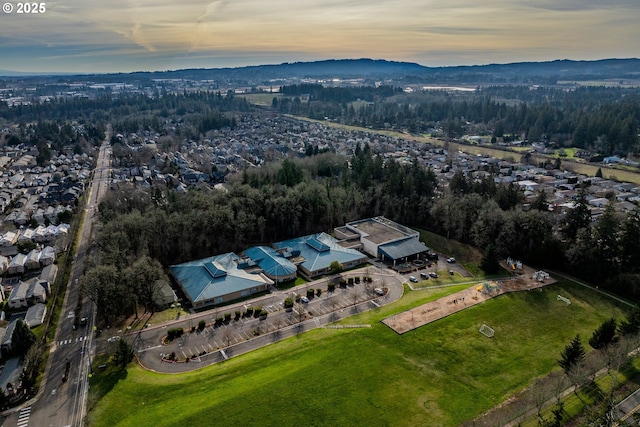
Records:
x=630, y=243
x=577, y=218
x=572, y=355
x=124, y=354
x=489, y=263
x=631, y=326
x=23, y=338
x=604, y=335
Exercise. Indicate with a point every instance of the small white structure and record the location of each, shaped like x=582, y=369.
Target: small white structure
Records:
x=564, y=299
x=486, y=331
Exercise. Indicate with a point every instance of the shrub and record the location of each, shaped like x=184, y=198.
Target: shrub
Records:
x=350, y=280
x=219, y=321
x=193, y=329
x=238, y=314
x=174, y=333
x=318, y=292
x=331, y=287
x=310, y=293
x=249, y=311
x=201, y=325
x=227, y=317
x=263, y=314
x=357, y=279
x=288, y=303
x=257, y=311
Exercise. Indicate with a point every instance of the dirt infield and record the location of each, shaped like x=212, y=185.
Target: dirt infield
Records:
x=482, y=291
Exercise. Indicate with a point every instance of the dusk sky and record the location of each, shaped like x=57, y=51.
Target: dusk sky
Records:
x=130, y=35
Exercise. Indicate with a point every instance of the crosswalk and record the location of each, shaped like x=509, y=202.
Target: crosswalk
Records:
x=23, y=418
x=69, y=341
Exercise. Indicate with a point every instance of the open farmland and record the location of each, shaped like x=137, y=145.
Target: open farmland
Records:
x=441, y=374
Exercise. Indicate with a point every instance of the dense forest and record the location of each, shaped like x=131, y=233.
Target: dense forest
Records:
x=605, y=120
x=187, y=115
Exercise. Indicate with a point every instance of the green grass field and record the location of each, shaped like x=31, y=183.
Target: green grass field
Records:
x=440, y=374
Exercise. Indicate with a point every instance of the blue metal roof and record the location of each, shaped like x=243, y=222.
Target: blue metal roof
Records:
x=216, y=276
x=320, y=250
x=271, y=262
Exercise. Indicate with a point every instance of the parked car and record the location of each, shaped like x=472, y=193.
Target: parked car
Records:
x=413, y=279
x=304, y=300
x=378, y=291
x=433, y=274
x=424, y=276
x=451, y=260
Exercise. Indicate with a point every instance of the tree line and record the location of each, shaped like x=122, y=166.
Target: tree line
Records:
x=605, y=120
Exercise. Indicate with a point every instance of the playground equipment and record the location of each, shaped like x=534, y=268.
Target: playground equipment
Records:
x=540, y=276
x=488, y=288
x=514, y=264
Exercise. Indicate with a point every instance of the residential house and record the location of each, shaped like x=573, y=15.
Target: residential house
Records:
x=35, y=315
x=4, y=264
x=33, y=260
x=16, y=266
x=48, y=276
x=8, y=239
x=18, y=297
x=36, y=293
x=47, y=256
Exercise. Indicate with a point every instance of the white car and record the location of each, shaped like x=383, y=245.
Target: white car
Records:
x=304, y=300
x=378, y=291
x=114, y=339
x=451, y=260
x=413, y=279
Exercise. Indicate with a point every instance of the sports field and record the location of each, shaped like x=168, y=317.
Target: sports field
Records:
x=440, y=374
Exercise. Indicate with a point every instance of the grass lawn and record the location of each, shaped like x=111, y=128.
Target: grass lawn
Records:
x=262, y=99
x=439, y=375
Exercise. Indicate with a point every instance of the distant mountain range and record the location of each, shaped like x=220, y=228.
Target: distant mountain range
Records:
x=529, y=72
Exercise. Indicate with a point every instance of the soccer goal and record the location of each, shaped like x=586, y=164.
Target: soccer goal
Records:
x=487, y=331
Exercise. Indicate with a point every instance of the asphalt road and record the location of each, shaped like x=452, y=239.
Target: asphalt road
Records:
x=218, y=343
x=58, y=403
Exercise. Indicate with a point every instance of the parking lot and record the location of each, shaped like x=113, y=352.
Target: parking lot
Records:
x=218, y=341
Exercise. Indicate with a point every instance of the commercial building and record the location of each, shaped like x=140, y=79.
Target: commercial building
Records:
x=314, y=254
x=382, y=238
x=219, y=279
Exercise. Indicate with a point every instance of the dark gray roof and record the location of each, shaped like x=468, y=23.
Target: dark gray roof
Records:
x=403, y=248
